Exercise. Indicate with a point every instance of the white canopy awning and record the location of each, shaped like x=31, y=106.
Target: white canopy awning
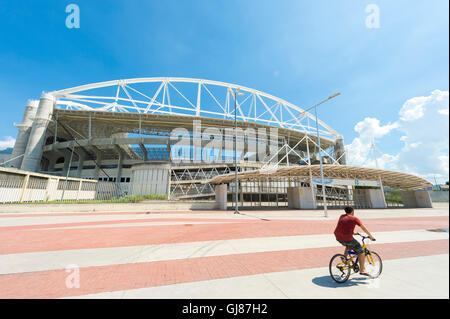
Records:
x=390, y=179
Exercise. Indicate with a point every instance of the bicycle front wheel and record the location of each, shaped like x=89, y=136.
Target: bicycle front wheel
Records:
x=339, y=268
x=374, y=265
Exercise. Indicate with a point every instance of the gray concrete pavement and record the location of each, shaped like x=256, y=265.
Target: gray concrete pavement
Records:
x=408, y=278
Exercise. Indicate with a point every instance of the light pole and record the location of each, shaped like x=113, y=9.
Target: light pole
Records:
x=68, y=172
x=320, y=155
x=236, y=181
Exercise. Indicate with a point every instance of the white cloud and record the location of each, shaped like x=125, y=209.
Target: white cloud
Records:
x=444, y=163
x=425, y=152
x=383, y=161
x=413, y=109
x=369, y=129
x=7, y=143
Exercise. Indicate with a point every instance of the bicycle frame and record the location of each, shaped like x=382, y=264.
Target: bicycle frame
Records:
x=352, y=253
x=350, y=262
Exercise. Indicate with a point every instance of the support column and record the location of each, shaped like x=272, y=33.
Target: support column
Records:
x=169, y=150
x=52, y=163
x=80, y=185
x=416, y=199
x=307, y=198
x=301, y=198
x=51, y=191
x=221, y=196
x=260, y=191
x=24, y=187
x=382, y=192
x=150, y=178
x=23, y=135
x=99, y=159
x=423, y=199
x=339, y=150
x=144, y=150
x=67, y=163
x=293, y=198
x=376, y=198
x=169, y=183
x=409, y=199
x=36, y=140
x=81, y=158
x=45, y=163
x=311, y=185
x=241, y=195
x=119, y=164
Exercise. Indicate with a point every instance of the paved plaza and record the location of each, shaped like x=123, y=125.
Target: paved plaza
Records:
x=213, y=254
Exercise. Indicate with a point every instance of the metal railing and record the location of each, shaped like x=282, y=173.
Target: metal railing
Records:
x=17, y=186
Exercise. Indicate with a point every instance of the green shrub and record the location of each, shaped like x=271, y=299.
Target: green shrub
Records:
x=126, y=199
x=394, y=196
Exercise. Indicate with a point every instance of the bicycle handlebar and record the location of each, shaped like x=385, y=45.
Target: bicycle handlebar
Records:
x=363, y=237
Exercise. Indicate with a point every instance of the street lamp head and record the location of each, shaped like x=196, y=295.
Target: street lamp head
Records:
x=329, y=98
x=334, y=95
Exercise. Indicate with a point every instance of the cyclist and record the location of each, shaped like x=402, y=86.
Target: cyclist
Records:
x=344, y=234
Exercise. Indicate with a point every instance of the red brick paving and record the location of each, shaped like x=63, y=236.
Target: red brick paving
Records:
x=193, y=212
x=7, y=215
x=51, y=284
x=64, y=239
x=123, y=221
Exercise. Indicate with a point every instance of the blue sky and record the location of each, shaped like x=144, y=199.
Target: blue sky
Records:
x=301, y=51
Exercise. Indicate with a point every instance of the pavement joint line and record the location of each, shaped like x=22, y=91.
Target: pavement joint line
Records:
x=273, y=284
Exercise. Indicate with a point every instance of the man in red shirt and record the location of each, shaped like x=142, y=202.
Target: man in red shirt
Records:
x=344, y=234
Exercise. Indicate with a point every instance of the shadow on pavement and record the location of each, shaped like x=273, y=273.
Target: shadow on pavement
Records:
x=326, y=281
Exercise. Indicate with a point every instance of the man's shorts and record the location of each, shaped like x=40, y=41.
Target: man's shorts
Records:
x=353, y=245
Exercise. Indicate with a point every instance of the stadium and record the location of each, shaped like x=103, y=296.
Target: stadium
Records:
x=175, y=136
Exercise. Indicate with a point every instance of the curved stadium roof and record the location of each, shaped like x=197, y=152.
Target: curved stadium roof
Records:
x=189, y=97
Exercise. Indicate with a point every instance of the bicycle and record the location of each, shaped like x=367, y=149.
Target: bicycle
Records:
x=341, y=267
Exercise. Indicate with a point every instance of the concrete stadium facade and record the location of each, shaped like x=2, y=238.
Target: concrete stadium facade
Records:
x=155, y=135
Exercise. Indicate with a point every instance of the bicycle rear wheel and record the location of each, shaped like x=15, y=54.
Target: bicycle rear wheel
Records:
x=373, y=264
x=339, y=269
